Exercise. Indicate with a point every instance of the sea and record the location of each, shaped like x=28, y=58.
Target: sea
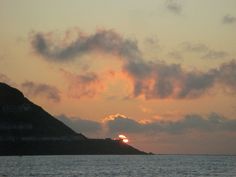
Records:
x=118, y=165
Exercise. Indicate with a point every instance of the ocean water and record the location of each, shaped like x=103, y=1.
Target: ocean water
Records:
x=117, y=165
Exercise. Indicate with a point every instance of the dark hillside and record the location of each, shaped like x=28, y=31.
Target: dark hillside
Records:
x=26, y=129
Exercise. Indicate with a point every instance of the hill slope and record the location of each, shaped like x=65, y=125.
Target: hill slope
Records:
x=20, y=117
x=26, y=129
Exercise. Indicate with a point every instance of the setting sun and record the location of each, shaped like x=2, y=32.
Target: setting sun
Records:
x=123, y=138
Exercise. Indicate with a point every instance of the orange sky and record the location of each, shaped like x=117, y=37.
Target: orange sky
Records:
x=167, y=66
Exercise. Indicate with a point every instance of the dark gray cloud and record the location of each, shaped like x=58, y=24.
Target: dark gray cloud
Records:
x=197, y=83
x=174, y=6
x=161, y=80
x=213, y=122
x=34, y=89
x=124, y=125
x=153, y=80
x=227, y=75
x=229, y=19
x=105, y=40
x=185, y=135
x=87, y=127
x=121, y=124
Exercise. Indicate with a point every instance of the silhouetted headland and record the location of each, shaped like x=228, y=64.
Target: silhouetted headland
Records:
x=26, y=129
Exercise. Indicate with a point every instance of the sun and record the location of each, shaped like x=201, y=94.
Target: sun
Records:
x=123, y=138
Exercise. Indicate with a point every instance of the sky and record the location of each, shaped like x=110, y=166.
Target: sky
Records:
x=161, y=72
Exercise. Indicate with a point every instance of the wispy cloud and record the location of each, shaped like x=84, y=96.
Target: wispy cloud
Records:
x=205, y=51
x=88, y=127
x=176, y=55
x=212, y=54
x=83, y=85
x=229, y=19
x=195, y=47
x=174, y=6
x=152, y=41
x=4, y=78
x=35, y=89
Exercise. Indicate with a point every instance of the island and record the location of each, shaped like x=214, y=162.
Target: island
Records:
x=27, y=129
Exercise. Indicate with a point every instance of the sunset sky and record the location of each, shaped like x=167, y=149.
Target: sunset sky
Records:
x=161, y=72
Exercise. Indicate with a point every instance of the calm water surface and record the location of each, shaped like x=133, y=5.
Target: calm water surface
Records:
x=115, y=165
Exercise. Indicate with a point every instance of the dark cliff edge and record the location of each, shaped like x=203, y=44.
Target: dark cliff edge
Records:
x=26, y=129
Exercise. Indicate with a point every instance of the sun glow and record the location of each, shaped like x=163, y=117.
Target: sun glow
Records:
x=123, y=138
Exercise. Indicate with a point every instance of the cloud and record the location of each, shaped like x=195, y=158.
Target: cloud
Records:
x=197, y=83
x=34, y=89
x=174, y=6
x=195, y=47
x=83, y=85
x=121, y=124
x=152, y=42
x=116, y=124
x=4, y=78
x=87, y=127
x=106, y=41
x=205, y=51
x=228, y=19
x=211, y=54
x=213, y=122
x=2, y=56
x=149, y=79
x=161, y=80
x=186, y=135
x=227, y=75
x=176, y=55
x=173, y=81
